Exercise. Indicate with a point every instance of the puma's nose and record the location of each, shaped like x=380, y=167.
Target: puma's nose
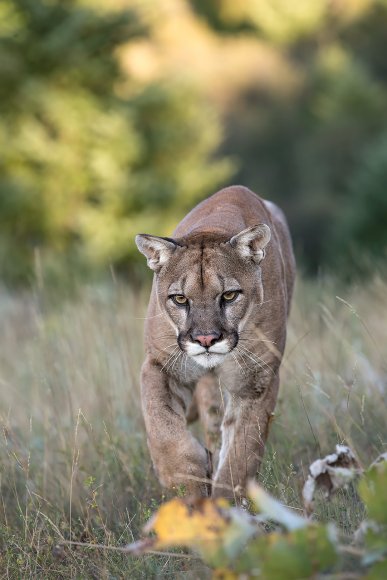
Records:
x=206, y=340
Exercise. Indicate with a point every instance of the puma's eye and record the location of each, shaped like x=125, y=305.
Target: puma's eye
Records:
x=230, y=296
x=180, y=299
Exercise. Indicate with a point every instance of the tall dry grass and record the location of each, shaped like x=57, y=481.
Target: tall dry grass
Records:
x=73, y=457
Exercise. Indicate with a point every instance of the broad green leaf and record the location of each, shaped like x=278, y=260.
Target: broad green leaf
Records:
x=376, y=540
x=373, y=491
x=292, y=556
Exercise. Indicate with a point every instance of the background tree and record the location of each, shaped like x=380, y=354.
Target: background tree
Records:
x=308, y=147
x=89, y=158
x=99, y=141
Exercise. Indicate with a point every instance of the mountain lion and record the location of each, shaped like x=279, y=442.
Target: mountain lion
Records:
x=215, y=335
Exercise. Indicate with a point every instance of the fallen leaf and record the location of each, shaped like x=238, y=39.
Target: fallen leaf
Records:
x=373, y=492
x=331, y=473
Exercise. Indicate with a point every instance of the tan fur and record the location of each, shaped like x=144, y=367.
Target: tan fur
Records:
x=233, y=391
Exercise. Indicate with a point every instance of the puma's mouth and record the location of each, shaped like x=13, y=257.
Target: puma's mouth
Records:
x=209, y=360
x=211, y=356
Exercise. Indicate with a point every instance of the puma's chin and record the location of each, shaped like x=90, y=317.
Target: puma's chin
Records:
x=209, y=360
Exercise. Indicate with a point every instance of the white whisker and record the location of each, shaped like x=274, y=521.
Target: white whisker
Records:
x=234, y=356
x=165, y=349
x=185, y=357
x=177, y=357
x=242, y=355
x=257, y=359
x=169, y=358
x=146, y=317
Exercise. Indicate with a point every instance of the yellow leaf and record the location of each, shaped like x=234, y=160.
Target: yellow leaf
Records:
x=180, y=522
x=211, y=527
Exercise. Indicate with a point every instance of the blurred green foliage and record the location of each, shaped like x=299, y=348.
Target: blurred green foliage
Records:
x=90, y=156
x=319, y=150
x=237, y=546
x=85, y=165
x=276, y=20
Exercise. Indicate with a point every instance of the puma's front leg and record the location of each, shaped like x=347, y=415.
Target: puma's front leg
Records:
x=244, y=432
x=209, y=405
x=177, y=456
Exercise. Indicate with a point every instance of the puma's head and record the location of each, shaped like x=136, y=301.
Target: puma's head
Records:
x=206, y=287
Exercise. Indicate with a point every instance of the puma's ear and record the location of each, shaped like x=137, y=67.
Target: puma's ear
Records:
x=250, y=243
x=156, y=250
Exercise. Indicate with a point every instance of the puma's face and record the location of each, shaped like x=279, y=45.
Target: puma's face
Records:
x=207, y=288
x=205, y=304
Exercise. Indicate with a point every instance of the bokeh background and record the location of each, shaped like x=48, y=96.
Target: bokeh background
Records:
x=117, y=117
